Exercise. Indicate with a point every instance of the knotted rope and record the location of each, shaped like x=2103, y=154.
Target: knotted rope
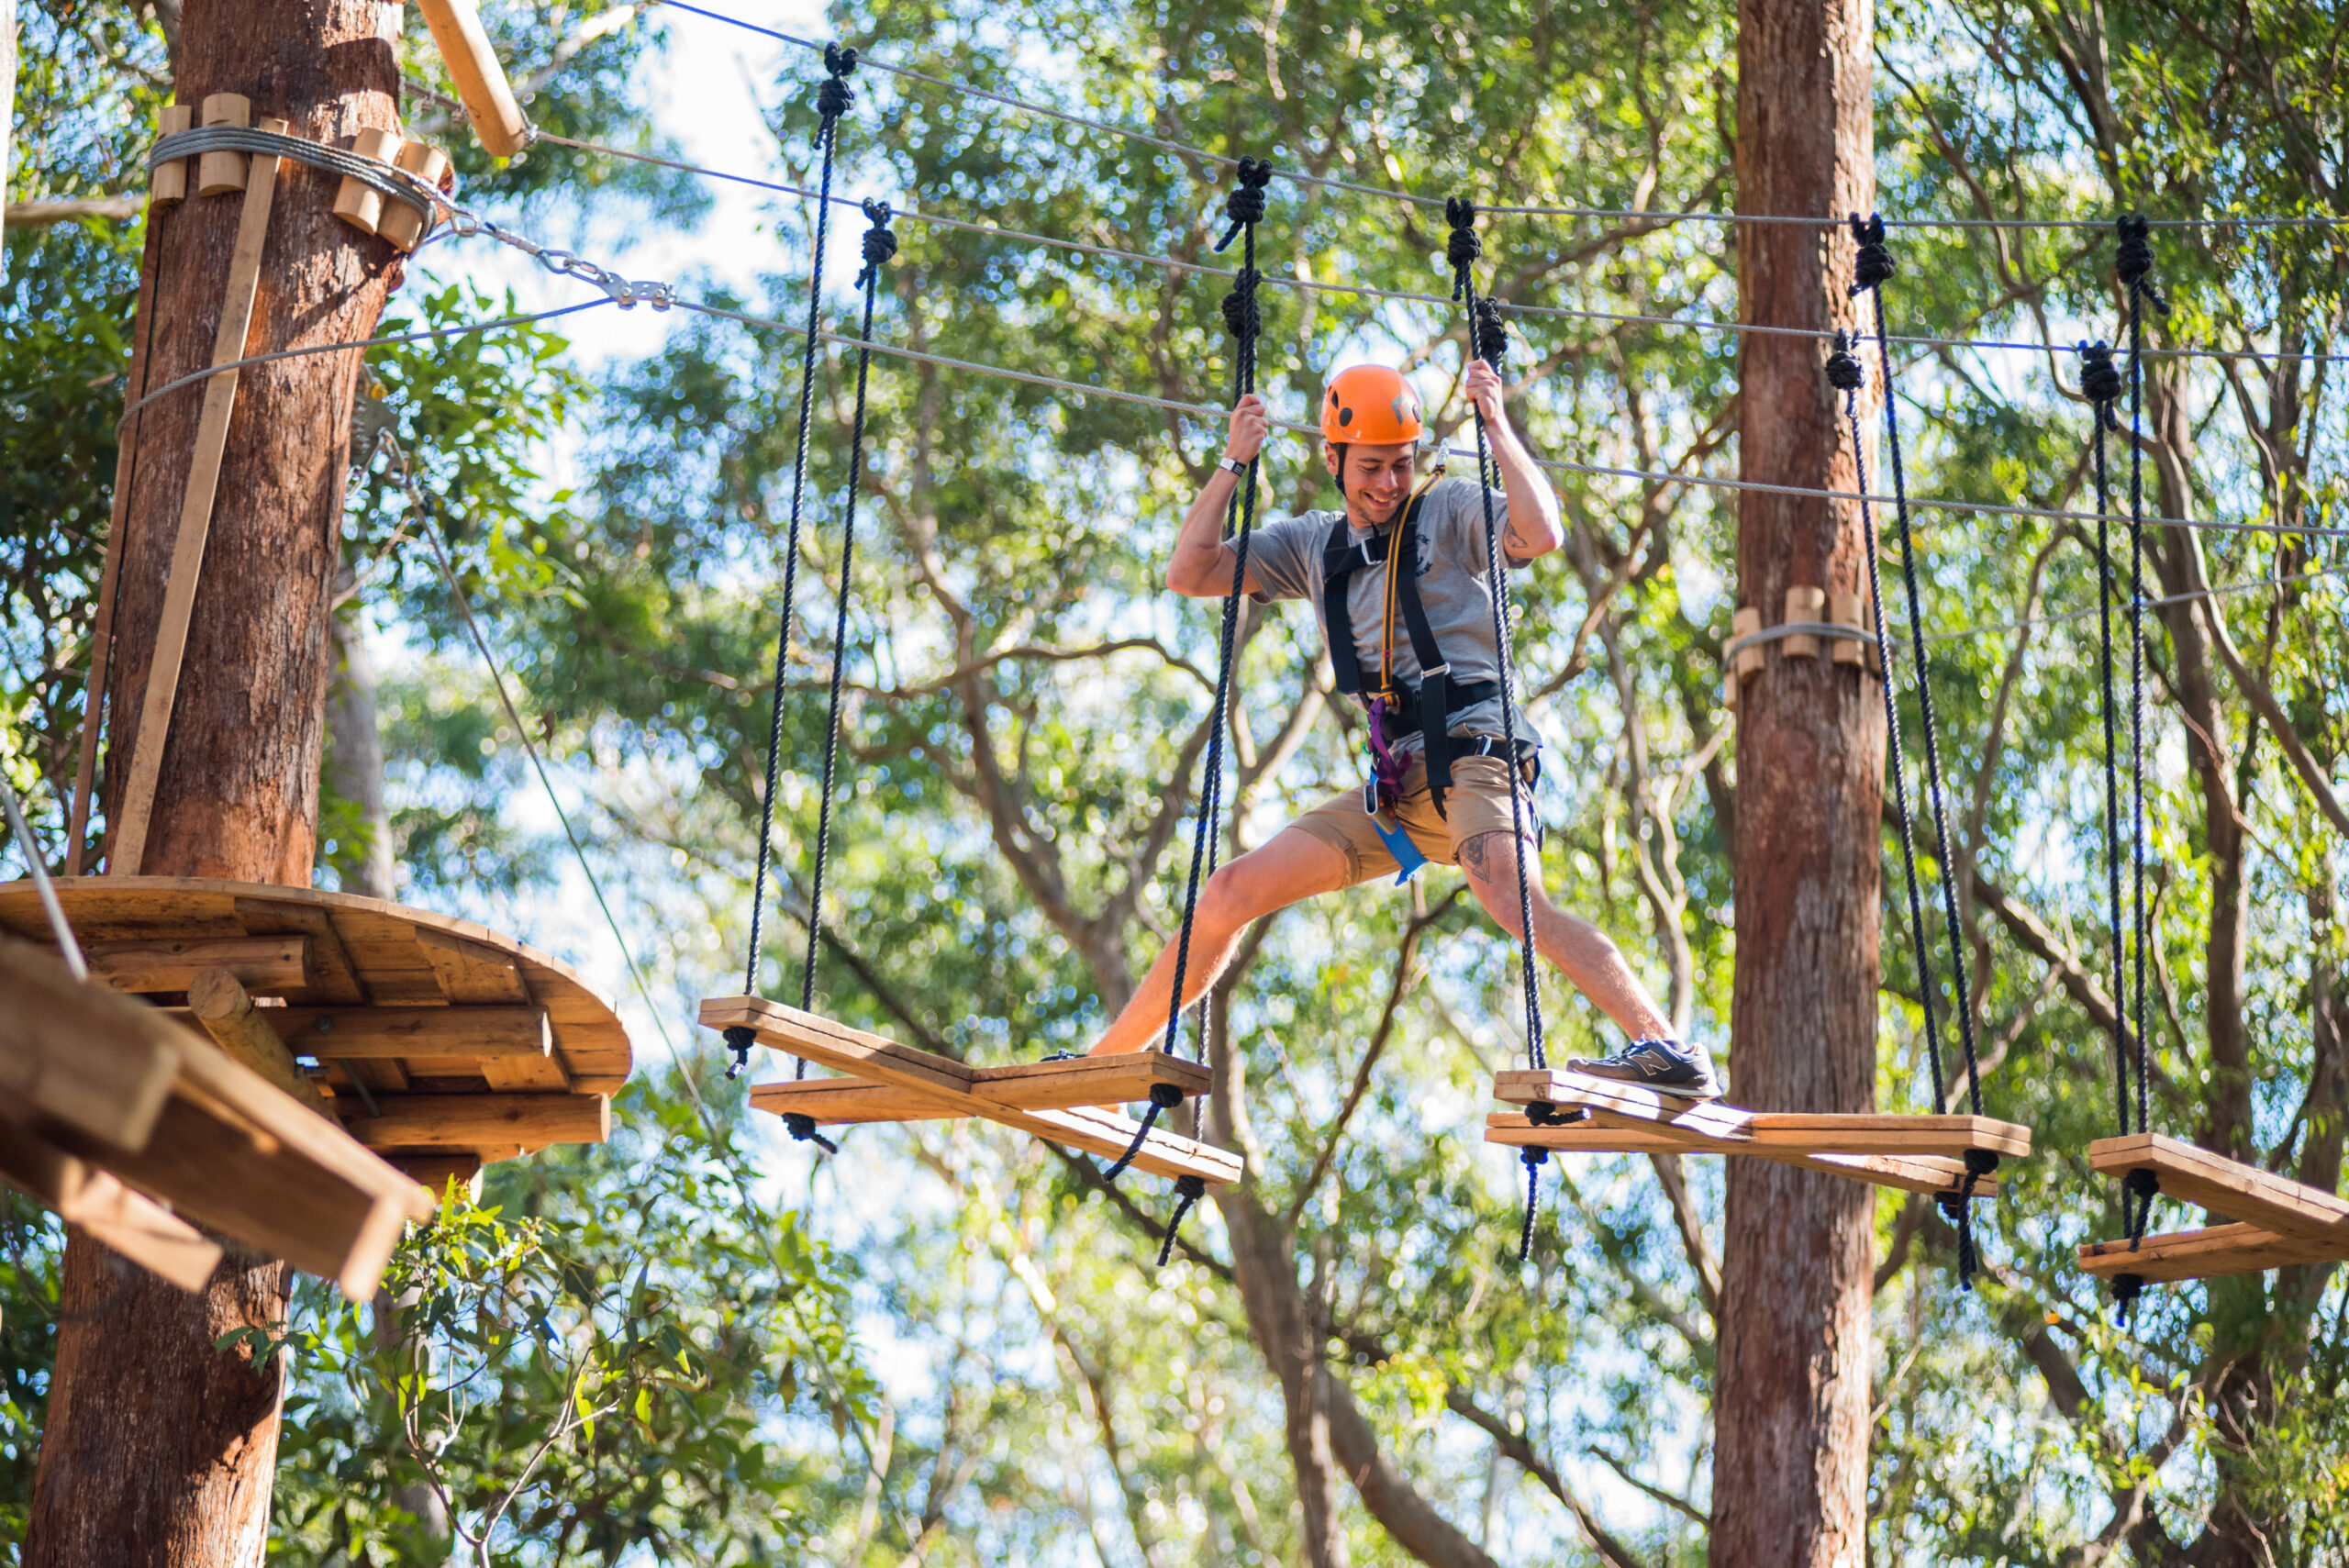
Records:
x=1464, y=250
x=1189, y=1190
x=833, y=100
x=1246, y=203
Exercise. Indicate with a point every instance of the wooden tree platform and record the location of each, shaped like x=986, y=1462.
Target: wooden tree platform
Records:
x=2278, y=1220
x=107, y=1105
x=1068, y=1102
x=438, y=1044
x=1915, y=1153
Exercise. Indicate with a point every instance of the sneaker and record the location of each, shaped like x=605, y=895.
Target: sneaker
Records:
x=1667, y=1066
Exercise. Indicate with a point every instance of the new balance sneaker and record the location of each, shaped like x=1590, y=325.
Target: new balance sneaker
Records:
x=1667, y=1066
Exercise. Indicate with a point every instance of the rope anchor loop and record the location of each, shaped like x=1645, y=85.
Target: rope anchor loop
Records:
x=1464, y=249
x=2102, y=385
x=1246, y=203
x=1188, y=1190
x=835, y=97
x=1873, y=264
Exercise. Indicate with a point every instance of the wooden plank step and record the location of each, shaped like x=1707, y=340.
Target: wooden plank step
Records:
x=2239, y=1192
x=2209, y=1254
x=1028, y=1085
x=1625, y=1105
x=845, y=1102
x=1927, y=1174
x=135, y=1226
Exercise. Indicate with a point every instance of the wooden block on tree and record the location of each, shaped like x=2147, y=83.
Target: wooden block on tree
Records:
x=94, y=1061
x=2209, y=1254
x=264, y=966
x=82, y=1195
x=401, y=224
x=1850, y=609
x=356, y=202
x=168, y=182
x=2239, y=1192
x=1745, y=623
x=219, y=173
x=1803, y=603
x=478, y=1121
x=472, y=1034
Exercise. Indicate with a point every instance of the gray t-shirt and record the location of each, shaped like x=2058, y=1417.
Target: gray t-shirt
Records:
x=1285, y=558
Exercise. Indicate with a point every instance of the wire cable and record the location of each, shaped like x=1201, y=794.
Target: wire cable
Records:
x=1309, y=286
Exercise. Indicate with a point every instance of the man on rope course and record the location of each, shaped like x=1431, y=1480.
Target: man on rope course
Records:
x=1440, y=770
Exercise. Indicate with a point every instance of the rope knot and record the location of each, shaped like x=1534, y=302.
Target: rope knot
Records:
x=2126, y=1288
x=1246, y=203
x=1542, y=1113
x=880, y=241
x=739, y=1039
x=2100, y=382
x=1534, y=1159
x=802, y=1129
x=2134, y=263
x=835, y=97
x=1873, y=264
x=2144, y=1185
x=1243, y=313
x=1844, y=373
x=1464, y=249
x=1189, y=1190
x=1487, y=336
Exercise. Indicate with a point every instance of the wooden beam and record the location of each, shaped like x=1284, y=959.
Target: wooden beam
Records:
x=481, y=81
x=1613, y=1104
x=845, y=1101
x=2239, y=1192
x=2208, y=1253
x=479, y=1121
x=128, y=845
x=1124, y=1079
x=476, y=1034
x=1927, y=1174
x=96, y=1061
x=228, y=1016
x=82, y=1194
x=264, y=966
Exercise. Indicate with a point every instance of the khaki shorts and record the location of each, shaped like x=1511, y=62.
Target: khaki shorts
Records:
x=1476, y=804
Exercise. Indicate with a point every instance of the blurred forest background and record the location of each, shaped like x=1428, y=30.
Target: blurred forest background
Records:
x=947, y=1345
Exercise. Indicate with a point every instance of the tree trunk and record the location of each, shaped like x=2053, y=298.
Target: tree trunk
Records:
x=1790, y=1420
x=158, y=1448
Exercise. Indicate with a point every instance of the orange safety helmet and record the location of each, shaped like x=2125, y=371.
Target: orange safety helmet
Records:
x=1370, y=404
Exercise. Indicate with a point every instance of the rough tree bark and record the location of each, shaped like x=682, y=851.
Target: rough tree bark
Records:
x=160, y=1449
x=1790, y=1448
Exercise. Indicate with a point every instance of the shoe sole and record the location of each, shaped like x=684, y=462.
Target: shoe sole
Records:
x=1677, y=1091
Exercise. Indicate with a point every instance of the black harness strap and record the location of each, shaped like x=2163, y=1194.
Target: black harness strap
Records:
x=1439, y=696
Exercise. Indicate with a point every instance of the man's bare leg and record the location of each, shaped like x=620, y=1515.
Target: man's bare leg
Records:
x=1580, y=950
x=1293, y=866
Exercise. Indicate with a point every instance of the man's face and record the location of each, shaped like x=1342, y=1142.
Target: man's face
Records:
x=1377, y=481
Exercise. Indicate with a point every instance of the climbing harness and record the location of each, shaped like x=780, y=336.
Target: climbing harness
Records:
x=1243, y=316
x=833, y=99
x=1872, y=268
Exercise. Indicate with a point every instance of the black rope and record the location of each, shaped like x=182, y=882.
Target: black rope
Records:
x=2100, y=382
x=1488, y=342
x=1245, y=205
x=2134, y=265
x=831, y=101
x=1163, y=1097
x=1870, y=234
x=1845, y=374
x=1535, y=1157
x=1958, y=1207
x=1244, y=317
x=802, y=1127
x=1189, y=1190
x=879, y=246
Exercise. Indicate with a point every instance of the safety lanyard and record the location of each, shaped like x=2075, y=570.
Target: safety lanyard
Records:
x=1401, y=530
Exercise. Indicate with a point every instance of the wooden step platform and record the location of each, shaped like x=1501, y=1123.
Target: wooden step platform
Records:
x=110, y=1110
x=1915, y=1153
x=1067, y=1102
x=438, y=1043
x=2277, y=1220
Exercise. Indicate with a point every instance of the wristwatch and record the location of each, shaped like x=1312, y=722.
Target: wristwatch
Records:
x=1233, y=466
